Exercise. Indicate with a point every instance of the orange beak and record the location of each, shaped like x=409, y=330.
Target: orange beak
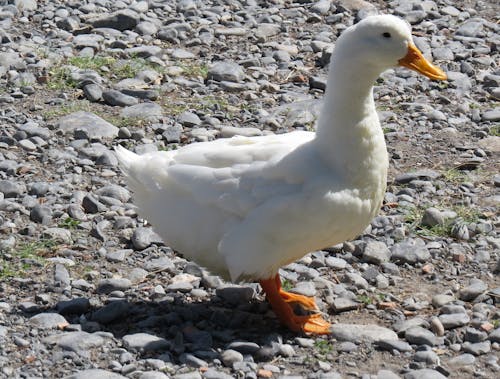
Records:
x=414, y=60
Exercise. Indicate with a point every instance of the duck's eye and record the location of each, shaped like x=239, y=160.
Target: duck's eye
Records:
x=386, y=35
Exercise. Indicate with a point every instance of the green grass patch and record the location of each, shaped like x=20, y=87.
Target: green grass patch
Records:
x=286, y=285
x=454, y=176
x=194, y=70
x=57, y=111
x=495, y=130
x=21, y=258
x=69, y=223
x=323, y=347
x=365, y=299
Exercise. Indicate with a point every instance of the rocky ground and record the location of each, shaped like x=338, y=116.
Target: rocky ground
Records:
x=87, y=290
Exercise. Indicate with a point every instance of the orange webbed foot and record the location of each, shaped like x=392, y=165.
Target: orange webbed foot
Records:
x=280, y=301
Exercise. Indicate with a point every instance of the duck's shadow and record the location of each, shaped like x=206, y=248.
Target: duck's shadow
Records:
x=192, y=326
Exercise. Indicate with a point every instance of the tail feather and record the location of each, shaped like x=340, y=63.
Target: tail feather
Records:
x=125, y=158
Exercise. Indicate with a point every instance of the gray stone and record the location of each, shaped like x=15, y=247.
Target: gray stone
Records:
x=492, y=115
x=410, y=251
x=230, y=131
x=145, y=342
x=41, y=214
x=266, y=30
x=344, y=304
x=437, y=326
x=229, y=356
x=236, y=294
x=144, y=237
x=11, y=189
x=465, y=359
x=425, y=373
x=362, y=333
x=244, y=347
x=114, y=191
x=475, y=288
x=77, y=306
x=95, y=374
x=470, y=28
x=391, y=345
x=454, y=320
x=376, y=252
x=386, y=374
x=115, y=310
x=117, y=98
x=475, y=335
x=114, y=284
x=433, y=217
x=118, y=255
x=143, y=111
x=189, y=119
x=48, y=321
x=79, y=342
x=420, y=336
x=440, y=299
x=495, y=335
x=226, y=71
x=427, y=356
x=192, y=361
x=125, y=19
x=93, y=124
x=478, y=348
x=160, y=264
x=61, y=276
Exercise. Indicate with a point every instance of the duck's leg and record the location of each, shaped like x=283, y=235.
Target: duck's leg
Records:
x=306, y=302
x=313, y=323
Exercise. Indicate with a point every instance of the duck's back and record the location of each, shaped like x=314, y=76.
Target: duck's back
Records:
x=193, y=196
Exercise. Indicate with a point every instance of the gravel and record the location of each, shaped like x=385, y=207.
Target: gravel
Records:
x=89, y=290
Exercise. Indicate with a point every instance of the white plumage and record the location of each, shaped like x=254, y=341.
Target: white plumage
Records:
x=243, y=207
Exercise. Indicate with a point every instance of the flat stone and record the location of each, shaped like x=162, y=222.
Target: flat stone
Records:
x=122, y=20
x=410, y=251
x=478, y=348
x=115, y=310
x=117, y=98
x=454, y=320
x=48, y=321
x=425, y=373
x=79, y=342
x=493, y=115
x=95, y=126
x=236, y=294
x=145, y=342
x=148, y=111
x=391, y=345
x=376, y=252
x=95, y=373
x=465, y=359
x=144, y=237
x=344, y=304
x=420, y=336
x=229, y=356
x=244, y=347
x=114, y=284
x=475, y=288
x=441, y=299
x=226, y=71
x=230, y=131
x=362, y=333
x=77, y=306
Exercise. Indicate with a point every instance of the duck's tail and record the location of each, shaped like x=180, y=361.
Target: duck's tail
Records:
x=125, y=158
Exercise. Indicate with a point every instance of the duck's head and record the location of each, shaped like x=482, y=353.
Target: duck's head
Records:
x=385, y=41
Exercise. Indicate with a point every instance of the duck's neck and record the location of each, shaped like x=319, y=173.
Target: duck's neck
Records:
x=348, y=133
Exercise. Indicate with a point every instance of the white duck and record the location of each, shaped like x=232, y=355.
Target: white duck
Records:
x=244, y=207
